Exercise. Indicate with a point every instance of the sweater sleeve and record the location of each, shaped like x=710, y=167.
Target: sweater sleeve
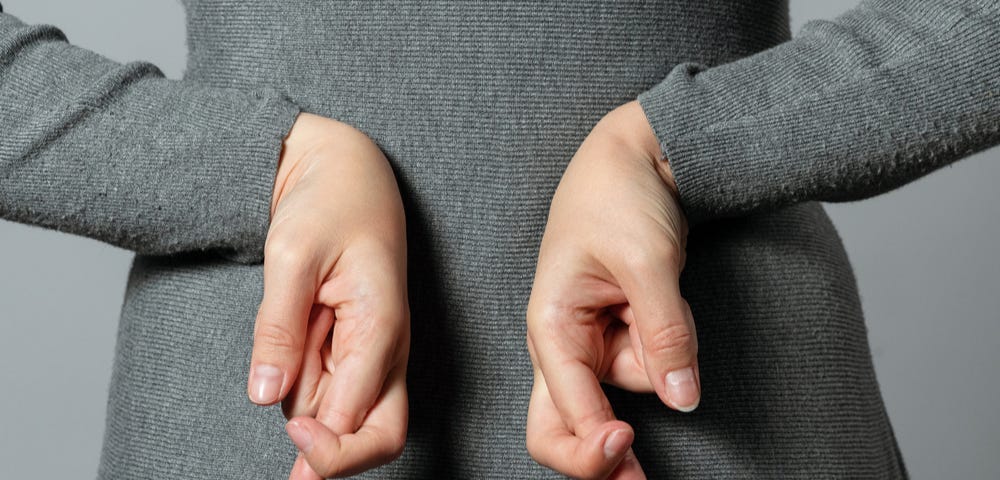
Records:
x=850, y=108
x=118, y=153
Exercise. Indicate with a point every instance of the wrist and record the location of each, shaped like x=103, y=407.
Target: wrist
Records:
x=630, y=123
x=310, y=134
x=288, y=158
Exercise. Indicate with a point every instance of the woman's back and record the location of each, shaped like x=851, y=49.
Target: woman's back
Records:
x=479, y=106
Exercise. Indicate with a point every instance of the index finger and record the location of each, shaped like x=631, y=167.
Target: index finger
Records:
x=380, y=439
x=666, y=332
x=282, y=321
x=552, y=444
x=567, y=378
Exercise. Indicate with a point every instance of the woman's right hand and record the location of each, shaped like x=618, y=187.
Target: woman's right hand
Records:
x=334, y=260
x=606, y=305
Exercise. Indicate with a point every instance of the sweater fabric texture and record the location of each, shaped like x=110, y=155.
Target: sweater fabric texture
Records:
x=479, y=106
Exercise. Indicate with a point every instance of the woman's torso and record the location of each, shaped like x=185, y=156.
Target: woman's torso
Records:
x=479, y=105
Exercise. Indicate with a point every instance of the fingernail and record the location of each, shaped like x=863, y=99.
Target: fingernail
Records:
x=616, y=443
x=682, y=389
x=265, y=384
x=299, y=435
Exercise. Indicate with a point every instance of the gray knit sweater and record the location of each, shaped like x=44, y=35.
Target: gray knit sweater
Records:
x=479, y=105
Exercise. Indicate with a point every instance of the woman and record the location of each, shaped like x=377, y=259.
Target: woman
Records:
x=477, y=107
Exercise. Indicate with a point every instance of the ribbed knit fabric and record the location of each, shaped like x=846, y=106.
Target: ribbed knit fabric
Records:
x=884, y=94
x=479, y=105
x=118, y=153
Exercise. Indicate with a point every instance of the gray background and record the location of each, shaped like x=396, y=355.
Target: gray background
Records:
x=924, y=256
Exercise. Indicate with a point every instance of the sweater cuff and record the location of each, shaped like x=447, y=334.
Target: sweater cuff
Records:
x=259, y=144
x=849, y=109
x=117, y=153
x=678, y=112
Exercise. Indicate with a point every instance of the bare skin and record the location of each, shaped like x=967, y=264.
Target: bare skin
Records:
x=332, y=333
x=606, y=304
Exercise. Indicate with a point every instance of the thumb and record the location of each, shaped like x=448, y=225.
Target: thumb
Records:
x=281, y=326
x=666, y=333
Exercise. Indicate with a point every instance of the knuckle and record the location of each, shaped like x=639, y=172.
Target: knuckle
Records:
x=546, y=316
x=330, y=467
x=343, y=422
x=535, y=441
x=385, y=446
x=275, y=337
x=671, y=340
x=595, y=417
x=395, y=444
x=536, y=447
x=286, y=250
x=649, y=259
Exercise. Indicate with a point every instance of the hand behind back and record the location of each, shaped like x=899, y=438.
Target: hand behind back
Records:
x=334, y=260
x=606, y=304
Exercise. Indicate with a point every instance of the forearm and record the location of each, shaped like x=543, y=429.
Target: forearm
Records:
x=118, y=153
x=851, y=108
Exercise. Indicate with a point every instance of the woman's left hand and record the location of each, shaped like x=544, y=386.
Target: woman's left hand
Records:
x=332, y=335
x=606, y=303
